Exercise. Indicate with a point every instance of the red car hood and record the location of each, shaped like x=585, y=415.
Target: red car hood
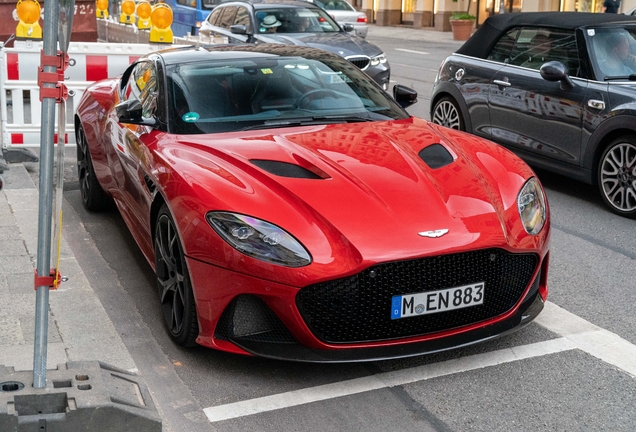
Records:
x=372, y=192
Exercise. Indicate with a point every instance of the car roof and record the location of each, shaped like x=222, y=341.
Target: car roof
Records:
x=480, y=44
x=190, y=54
x=260, y=4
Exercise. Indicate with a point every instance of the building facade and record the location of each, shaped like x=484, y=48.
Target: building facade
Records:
x=436, y=13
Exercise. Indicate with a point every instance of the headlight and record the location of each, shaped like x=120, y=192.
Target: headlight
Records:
x=531, y=205
x=378, y=59
x=259, y=239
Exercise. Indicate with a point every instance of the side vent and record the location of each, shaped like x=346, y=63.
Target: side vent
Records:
x=284, y=169
x=436, y=156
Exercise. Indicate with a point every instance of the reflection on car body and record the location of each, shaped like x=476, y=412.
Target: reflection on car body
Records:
x=554, y=95
x=292, y=209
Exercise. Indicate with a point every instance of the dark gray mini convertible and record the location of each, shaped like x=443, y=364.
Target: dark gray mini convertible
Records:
x=557, y=88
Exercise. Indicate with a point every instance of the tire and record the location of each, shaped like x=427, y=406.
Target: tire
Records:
x=617, y=176
x=173, y=282
x=447, y=113
x=93, y=196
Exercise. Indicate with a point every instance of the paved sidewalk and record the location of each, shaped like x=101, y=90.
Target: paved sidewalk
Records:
x=79, y=328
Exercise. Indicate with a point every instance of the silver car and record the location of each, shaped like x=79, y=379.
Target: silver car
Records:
x=344, y=13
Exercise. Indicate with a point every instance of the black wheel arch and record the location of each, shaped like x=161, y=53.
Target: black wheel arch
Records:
x=606, y=133
x=449, y=90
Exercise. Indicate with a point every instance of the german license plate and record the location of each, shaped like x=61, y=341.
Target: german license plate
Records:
x=410, y=305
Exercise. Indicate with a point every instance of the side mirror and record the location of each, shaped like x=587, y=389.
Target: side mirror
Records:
x=556, y=71
x=238, y=29
x=404, y=96
x=348, y=27
x=129, y=111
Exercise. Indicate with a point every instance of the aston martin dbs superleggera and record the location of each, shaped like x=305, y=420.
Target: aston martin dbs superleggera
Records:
x=292, y=209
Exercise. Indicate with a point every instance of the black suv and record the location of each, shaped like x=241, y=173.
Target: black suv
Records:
x=295, y=23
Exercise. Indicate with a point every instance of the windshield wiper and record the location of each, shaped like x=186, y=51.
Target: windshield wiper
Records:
x=308, y=121
x=631, y=77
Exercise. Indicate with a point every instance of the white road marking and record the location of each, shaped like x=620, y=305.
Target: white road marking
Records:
x=412, y=51
x=414, y=67
x=575, y=332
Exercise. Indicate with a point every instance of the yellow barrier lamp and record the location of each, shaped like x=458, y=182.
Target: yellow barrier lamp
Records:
x=101, y=9
x=28, y=12
x=161, y=18
x=127, y=11
x=143, y=14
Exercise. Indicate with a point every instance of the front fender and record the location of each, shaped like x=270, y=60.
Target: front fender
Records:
x=446, y=88
x=613, y=127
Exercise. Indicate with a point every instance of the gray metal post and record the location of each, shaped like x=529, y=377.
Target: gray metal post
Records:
x=45, y=208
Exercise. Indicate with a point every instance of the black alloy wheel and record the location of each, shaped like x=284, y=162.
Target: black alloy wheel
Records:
x=446, y=113
x=173, y=282
x=617, y=176
x=93, y=196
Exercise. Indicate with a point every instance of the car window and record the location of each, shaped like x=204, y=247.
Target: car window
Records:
x=227, y=19
x=612, y=52
x=295, y=20
x=215, y=16
x=189, y=3
x=535, y=46
x=243, y=17
x=502, y=50
x=142, y=85
x=253, y=93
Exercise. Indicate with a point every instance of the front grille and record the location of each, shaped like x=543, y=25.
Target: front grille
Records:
x=361, y=62
x=358, y=308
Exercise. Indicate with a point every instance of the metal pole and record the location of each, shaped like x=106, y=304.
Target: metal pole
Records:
x=45, y=208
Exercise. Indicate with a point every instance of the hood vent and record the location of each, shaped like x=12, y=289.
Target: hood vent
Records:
x=284, y=169
x=436, y=156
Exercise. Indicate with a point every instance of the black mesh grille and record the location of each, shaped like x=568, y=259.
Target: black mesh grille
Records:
x=360, y=62
x=248, y=318
x=358, y=308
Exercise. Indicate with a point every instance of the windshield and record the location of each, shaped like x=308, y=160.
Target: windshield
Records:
x=260, y=93
x=612, y=51
x=294, y=20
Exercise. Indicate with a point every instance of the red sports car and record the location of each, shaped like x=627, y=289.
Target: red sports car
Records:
x=292, y=209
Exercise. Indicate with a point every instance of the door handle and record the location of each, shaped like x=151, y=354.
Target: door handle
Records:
x=501, y=83
x=596, y=104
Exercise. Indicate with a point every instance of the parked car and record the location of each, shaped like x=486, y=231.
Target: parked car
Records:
x=557, y=88
x=292, y=209
x=344, y=13
x=296, y=23
x=187, y=15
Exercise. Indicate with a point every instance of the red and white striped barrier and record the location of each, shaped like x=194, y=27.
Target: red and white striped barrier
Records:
x=20, y=94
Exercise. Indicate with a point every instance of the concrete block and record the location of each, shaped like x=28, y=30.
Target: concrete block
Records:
x=79, y=396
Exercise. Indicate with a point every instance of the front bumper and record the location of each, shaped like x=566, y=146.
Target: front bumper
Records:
x=247, y=315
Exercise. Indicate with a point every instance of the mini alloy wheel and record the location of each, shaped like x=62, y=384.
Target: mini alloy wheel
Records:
x=446, y=113
x=617, y=176
x=173, y=282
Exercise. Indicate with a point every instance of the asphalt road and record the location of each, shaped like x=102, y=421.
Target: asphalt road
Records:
x=574, y=369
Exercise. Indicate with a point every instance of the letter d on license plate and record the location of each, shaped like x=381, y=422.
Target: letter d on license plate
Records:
x=430, y=302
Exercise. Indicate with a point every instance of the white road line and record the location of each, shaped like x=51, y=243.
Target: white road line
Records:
x=414, y=67
x=384, y=380
x=412, y=51
x=601, y=343
x=575, y=332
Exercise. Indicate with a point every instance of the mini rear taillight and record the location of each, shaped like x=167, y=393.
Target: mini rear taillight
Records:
x=362, y=19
